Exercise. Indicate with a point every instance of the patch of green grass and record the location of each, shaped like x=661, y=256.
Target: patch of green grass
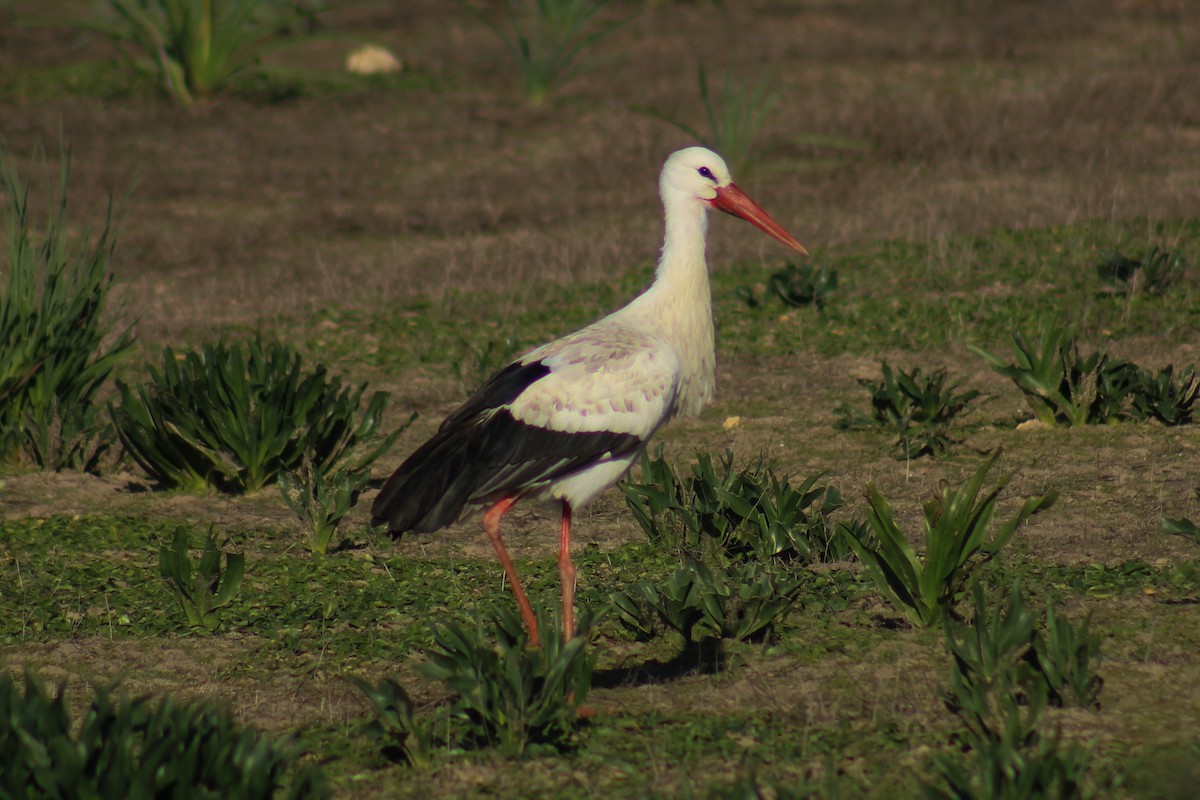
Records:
x=1062, y=386
x=95, y=576
x=968, y=290
x=202, y=586
x=721, y=512
x=57, y=347
x=424, y=334
x=920, y=295
x=1169, y=771
x=235, y=415
x=32, y=84
x=75, y=577
x=66, y=576
x=1177, y=581
x=279, y=83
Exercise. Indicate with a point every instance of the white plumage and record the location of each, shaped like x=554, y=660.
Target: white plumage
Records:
x=567, y=420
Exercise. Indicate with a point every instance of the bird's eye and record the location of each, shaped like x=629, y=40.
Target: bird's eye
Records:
x=705, y=172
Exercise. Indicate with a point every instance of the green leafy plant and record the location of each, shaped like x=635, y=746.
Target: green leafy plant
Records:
x=918, y=408
x=321, y=501
x=994, y=641
x=56, y=349
x=1059, y=384
x=1004, y=673
x=397, y=726
x=234, y=415
x=1154, y=273
x=1003, y=751
x=511, y=695
x=739, y=601
x=193, y=48
x=1182, y=527
x=200, y=587
x=547, y=38
x=1162, y=397
x=737, y=513
x=1064, y=656
x=1008, y=638
x=137, y=749
x=804, y=285
x=675, y=603
x=957, y=527
x=734, y=119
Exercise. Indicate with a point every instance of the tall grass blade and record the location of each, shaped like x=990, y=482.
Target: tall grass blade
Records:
x=57, y=349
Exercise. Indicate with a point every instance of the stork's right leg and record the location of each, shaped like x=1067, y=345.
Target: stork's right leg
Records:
x=566, y=571
x=491, y=526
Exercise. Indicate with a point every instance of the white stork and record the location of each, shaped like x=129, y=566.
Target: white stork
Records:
x=567, y=420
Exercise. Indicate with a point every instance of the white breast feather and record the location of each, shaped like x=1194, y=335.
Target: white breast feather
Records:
x=602, y=379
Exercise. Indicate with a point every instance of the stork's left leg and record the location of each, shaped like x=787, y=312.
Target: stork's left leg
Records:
x=566, y=572
x=491, y=526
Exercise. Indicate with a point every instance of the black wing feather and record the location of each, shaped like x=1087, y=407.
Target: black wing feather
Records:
x=481, y=452
x=497, y=392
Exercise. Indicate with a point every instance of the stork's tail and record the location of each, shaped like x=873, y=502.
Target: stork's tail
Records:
x=429, y=490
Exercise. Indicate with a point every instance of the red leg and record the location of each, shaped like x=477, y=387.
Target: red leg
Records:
x=566, y=571
x=491, y=526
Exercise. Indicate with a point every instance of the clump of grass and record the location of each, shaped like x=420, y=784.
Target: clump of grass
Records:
x=742, y=601
x=200, y=587
x=57, y=350
x=1006, y=636
x=321, y=500
x=804, y=285
x=734, y=528
x=1153, y=273
x=547, y=39
x=720, y=511
x=508, y=695
x=918, y=408
x=1004, y=750
x=135, y=748
x=957, y=536
x=1061, y=386
x=1003, y=675
x=734, y=118
x=1165, y=397
x=396, y=725
x=1064, y=656
x=193, y=48
x=233, y=416
x=797, y=285
x=511, y=695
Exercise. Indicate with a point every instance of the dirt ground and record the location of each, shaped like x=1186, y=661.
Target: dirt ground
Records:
x=243, y=210
x=896, y=120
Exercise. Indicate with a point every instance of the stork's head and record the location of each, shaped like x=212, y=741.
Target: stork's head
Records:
x=695, y=171
x=701, y=174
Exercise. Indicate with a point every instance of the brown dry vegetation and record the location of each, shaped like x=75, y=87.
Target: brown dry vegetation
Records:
x=965, y=117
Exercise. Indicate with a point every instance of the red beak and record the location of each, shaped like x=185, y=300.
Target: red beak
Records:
x=733, y=200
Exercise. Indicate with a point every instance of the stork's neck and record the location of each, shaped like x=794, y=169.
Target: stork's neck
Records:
x=680, y=301
x=682, y=260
